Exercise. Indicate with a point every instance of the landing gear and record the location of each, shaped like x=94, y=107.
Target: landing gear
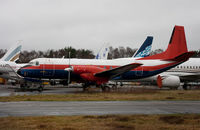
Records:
x=114, y=87
x=28, y=86
x=86, y=87
x=185, y=86
x=22, y=87
x=121, y=84
x=105, y=88
x=40, y=89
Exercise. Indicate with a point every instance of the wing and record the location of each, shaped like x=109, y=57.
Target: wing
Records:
x=118, y=71
x=11, y=72
x=190, y=77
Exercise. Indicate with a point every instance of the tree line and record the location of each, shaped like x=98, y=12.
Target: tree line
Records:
x=119, y=52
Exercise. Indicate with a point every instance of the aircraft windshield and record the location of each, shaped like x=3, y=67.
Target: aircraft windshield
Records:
x=34, y=63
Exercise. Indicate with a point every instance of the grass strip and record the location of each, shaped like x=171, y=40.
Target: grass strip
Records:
x=104, y=122
x=170, y=95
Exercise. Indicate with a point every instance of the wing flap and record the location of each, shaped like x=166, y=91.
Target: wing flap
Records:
x=117, y=71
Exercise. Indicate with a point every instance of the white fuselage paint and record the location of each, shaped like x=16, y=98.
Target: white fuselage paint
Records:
x=114, y=62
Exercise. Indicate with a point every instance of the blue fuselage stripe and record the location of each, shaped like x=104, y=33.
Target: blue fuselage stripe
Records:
x=62, y=74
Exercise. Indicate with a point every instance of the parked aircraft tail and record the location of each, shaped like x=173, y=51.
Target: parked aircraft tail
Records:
x=145, y=49
x=103, y=53
x=177, y=48
x=12, y=54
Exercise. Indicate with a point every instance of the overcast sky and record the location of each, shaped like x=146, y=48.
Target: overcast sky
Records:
x=88, y=24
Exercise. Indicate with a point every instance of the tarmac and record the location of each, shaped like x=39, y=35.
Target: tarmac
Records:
x=9, y=90
x=61, y=108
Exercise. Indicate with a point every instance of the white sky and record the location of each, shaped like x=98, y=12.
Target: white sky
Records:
x=88, y=24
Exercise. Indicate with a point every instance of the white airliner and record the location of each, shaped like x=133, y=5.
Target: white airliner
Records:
x=99, y=72
x=8, y=67
x=187, y=72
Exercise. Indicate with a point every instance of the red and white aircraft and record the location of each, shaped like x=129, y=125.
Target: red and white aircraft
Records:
x=99, y=72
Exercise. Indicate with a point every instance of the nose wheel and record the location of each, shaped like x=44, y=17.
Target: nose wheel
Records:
x=41, y=88
x=105, y=88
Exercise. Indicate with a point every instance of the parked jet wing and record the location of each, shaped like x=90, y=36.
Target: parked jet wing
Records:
x=118, y=71
x=189, y=77
x=12, y=72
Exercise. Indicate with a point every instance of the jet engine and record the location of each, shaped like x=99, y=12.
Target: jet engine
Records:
x=170, y=81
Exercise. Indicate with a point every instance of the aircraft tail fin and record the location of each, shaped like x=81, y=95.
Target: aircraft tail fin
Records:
x=103, y=53
x=145, y=49
x=13, y=53
x=177, y=46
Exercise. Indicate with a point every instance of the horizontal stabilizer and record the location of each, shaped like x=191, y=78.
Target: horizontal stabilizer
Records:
x=183, y=57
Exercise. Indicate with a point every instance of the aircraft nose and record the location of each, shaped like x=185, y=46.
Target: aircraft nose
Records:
x=19, y=72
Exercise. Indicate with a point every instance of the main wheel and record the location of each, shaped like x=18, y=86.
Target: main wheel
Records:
x=185, y=86
x=85, y=87
x=40, y=89
x=105, y=89
x=22, y=87
x=114, y=87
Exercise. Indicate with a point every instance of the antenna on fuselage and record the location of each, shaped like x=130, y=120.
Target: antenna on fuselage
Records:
x=69, y=68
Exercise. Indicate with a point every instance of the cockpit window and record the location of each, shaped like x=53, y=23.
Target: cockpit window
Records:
x=37, y=63
x=34, y=63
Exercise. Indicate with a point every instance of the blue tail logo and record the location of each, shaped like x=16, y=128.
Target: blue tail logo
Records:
x=103, y=53
x=145, y=49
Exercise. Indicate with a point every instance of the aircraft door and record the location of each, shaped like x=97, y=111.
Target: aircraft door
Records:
x=48, y=69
